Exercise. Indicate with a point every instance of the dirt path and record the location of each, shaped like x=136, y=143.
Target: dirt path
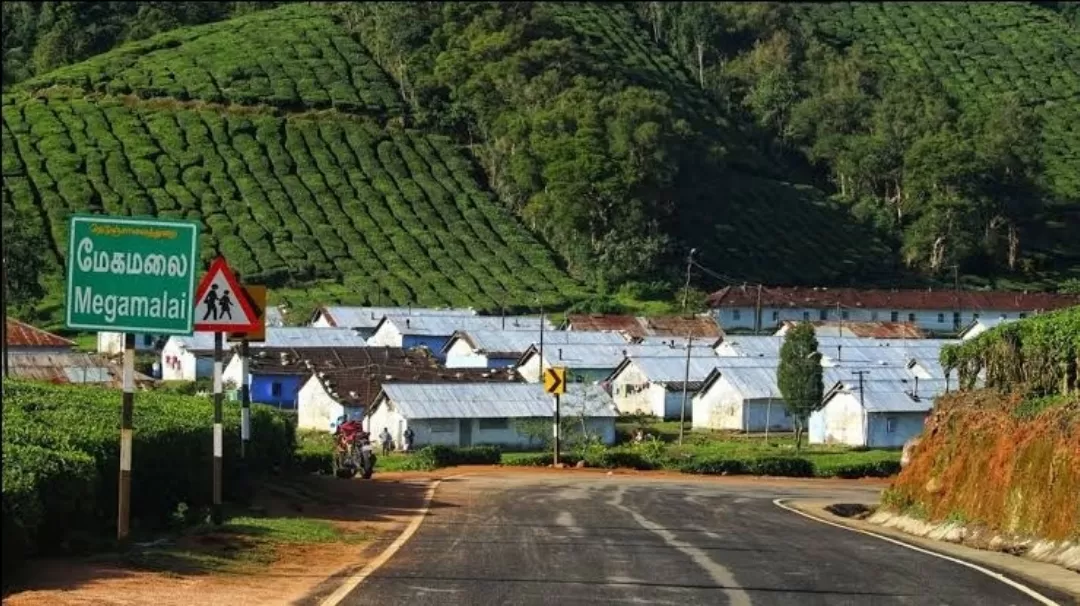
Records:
x=378, y=509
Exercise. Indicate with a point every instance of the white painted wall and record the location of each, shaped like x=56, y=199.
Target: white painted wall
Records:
x=940, y=320
x=191, y=368
x=321, y=321
x=839, y=422
x=232, y=373
x=461, y=355
x=630, y=390
x=388, y=335
x=315, y=408
x=530, y=370
x=113, y=342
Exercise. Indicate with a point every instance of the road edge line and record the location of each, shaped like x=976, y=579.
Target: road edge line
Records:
x=354, y=581
x=990, y=573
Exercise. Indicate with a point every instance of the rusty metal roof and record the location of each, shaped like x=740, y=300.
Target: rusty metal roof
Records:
x=70, y=368
x=929, y=300
x=864, y=330
x=21, y=334
x=701, y=327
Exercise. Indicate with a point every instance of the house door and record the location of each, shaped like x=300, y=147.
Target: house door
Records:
x=465, y=432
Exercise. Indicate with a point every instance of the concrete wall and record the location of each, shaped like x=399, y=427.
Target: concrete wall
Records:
x=724, y=407
x=191, y=368
x=461, y=355
x=315, y=408
x=288, y=389
x=839, y=422
x=758, y=411
x=113, y=342
x=388, y=335
x=630, y=391
x=905, y=425
x=939, y=320
x=672, y=400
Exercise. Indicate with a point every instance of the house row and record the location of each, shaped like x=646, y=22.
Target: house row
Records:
x=759, y=308
x=39, y=355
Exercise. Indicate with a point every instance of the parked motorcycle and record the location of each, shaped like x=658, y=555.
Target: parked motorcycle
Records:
x=353, y=452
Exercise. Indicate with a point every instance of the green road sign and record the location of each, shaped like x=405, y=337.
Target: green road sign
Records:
x=131, y=275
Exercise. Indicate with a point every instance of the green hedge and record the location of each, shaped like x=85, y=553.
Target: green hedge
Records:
x=61, y=461
x=434, y=457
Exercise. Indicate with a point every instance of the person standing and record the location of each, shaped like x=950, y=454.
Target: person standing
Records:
x=408, y=437
x=386, y=440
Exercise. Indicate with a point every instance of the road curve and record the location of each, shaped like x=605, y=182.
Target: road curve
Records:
x=589, y=540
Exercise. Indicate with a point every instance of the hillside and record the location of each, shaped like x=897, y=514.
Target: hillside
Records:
x=394, y=216
x=508, y=154
x=1005, y=458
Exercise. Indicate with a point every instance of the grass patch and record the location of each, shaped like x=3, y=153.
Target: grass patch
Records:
x=237, y=545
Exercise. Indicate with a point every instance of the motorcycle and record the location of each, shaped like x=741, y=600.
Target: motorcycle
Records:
x=353, y=452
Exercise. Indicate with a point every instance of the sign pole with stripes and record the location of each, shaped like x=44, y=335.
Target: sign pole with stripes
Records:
x=127, y=414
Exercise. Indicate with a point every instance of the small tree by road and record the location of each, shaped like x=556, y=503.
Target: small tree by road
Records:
x=799, y=376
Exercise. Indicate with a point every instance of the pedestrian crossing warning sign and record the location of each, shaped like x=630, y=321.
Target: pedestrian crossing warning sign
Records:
x=221, y=304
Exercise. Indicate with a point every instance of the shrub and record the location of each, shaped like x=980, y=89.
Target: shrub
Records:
x=866, y=469
x=792, y=467
x=713, y=466
x=61, y=459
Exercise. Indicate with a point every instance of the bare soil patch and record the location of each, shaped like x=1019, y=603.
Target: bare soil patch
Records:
x=300, y=536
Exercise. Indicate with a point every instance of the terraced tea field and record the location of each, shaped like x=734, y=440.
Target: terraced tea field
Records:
x=295, y=57
x=980, y=51
x=396, y=216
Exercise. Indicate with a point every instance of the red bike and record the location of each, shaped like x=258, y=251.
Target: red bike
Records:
x=353, y=452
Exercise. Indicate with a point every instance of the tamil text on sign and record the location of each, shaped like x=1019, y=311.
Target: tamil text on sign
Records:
x=131, y=275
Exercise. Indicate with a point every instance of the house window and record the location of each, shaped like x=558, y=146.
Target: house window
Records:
x=941, y=318
x=911, y=317
x=894, y=316
x=442, y=425
x=806, y=316
x=494, y=424
x=275, y=389
x=844, y=314
x=1022, y=316
x=823, y=314
x=736, y=314
x=956, y=319
x=775, y=316
x=890, y=424
x=974, y=316
x=148, y=340
x=873, y=316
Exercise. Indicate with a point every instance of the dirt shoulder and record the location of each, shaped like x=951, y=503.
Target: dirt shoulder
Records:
x=301, y=537
x=1037, y=573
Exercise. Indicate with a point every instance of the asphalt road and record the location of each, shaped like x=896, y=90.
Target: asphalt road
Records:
x=613, y=540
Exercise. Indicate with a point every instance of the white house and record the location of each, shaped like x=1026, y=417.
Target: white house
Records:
x=113, y=342
x=189, y=358
x=654, y=385
x=982, y=325
x=320, y=403
x=464, y=414
x=885, y=414
x=753, y=308
x=365, y=319
x=500, y=348
x=741, y=398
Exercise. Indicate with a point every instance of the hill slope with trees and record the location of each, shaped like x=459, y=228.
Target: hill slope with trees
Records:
x=336, y=142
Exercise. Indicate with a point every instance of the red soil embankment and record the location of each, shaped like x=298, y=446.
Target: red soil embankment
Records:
x=980, y=463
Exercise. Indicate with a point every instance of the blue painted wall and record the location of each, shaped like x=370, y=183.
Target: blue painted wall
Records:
x=906, y=425
x=501, y=362
x=435, y=344
x=262, y=390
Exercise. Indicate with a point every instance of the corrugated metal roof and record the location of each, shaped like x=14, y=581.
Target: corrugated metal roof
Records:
x=733, y=362
x=518, y=341
x=896, y=396
x=769, y=346
x=200, y=341
x=445, y=326
x=493, y=400
x=359, y=386
x=701, y=326
x=69, y=368
x=302, y=337
x=861, y=330
x=593, y=355
x=752, y=383
x=369, y=317
x=842, y=374
x=274, y=317
x=21, y=334
x=829, y=298
x=673, y=370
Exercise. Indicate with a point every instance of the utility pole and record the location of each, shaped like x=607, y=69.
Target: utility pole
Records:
x=540, y=372
x=686, y=380
x=245, y=400
x=127, y=414
x=219, y=446
x=3, y=301
x=757, y=313
x=686, y=290
x=957, y=321
x=862, y=404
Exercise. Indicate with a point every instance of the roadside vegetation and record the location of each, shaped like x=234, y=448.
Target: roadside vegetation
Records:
x=1007, y=457
x=60, y=462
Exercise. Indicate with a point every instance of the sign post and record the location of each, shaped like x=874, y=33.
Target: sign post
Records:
x=217, y=296
x=130, y=275
x=256, y=296
x=555, y=384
